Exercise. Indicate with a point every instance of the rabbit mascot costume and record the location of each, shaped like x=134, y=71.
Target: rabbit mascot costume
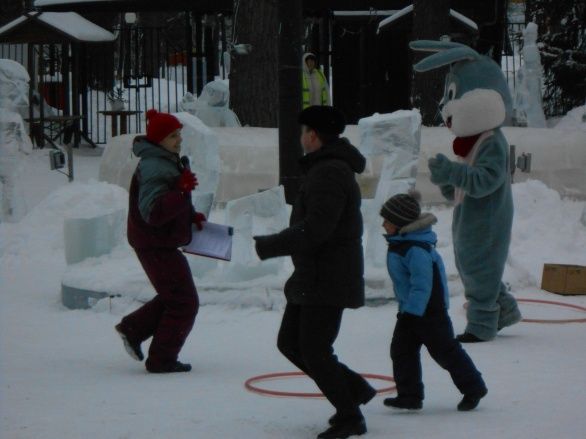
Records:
x=476, y=103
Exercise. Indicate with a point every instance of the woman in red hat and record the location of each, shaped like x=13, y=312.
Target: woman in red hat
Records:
x=160, y=220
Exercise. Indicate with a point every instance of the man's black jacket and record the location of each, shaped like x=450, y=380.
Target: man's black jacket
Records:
x=324, y=238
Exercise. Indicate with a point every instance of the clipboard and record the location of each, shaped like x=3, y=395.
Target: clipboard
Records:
x=213, y=241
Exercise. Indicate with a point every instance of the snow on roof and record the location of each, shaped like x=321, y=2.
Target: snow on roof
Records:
x=63, y=2
x=12, y=24
x=470, y=23
x=69, y=23
x=76, y=26
x=395, y=17
x=409, y=9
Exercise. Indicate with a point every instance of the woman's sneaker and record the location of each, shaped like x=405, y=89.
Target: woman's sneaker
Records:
x=169, y=368
x=132, y=348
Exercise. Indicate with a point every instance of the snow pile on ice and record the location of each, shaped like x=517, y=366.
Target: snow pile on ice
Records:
x=574, y=120
x=40, y=233
x=546, y=229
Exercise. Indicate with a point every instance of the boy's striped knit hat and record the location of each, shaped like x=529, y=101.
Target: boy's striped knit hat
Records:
x=400, y=210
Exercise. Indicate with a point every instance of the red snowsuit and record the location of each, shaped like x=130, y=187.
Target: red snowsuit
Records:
x=170, y=316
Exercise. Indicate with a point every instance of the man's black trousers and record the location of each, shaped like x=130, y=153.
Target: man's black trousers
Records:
x=306, y=338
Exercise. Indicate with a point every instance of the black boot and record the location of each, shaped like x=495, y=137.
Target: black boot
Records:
x=470, y=402
x=169, y=368
x=363, y=398
x=345, y=427
x=366, y=395
x=466, y=337
x=404, y=402
x=132, y=348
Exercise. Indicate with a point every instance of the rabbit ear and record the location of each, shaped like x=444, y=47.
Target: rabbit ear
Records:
x=446, y=57
x=433, y=45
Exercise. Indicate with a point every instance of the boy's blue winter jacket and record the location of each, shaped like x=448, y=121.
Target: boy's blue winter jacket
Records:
x=412, y=274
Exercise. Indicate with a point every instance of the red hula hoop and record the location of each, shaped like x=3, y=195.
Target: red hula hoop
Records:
x=554, y=303
x=249, y=385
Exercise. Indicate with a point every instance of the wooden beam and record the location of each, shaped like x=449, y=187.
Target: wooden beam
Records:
x=310, y=7
x=196, y=6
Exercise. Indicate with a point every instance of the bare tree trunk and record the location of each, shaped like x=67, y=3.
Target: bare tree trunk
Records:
x=253, y=77
x=431, y=20
x=289, y=43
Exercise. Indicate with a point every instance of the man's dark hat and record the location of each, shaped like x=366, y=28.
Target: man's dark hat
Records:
x=323, y=119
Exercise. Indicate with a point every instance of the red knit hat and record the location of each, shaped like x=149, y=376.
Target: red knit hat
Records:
x=160, y=125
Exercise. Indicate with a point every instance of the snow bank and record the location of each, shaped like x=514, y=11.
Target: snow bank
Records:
x=547, y=226
x=40, y=233
x=547, y=229
x=575, y=120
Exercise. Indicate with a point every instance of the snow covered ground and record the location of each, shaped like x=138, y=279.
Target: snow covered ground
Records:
x=64, y=374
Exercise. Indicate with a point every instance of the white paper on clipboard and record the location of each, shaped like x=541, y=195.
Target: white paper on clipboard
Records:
x=213, y=241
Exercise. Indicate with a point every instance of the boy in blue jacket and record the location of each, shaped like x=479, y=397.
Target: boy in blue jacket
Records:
x=420, y=285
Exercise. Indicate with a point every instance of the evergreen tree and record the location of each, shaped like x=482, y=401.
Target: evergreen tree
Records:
x=562, y=29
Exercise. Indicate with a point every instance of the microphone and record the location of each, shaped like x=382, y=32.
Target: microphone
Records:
x=186, y=165
x=185, y=162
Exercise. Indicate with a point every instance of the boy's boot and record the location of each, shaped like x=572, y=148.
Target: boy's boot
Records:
x=470, y=402
x=404, y=402
x=467, y=337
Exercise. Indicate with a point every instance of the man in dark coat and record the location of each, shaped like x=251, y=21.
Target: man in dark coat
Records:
x=324, y=240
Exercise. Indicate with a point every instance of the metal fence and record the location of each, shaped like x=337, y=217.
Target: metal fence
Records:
x=145, y=68
x=148, y=68
x=511, y=58
x=15, y=52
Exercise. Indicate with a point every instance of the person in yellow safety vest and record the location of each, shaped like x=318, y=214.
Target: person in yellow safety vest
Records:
x=316, y=90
